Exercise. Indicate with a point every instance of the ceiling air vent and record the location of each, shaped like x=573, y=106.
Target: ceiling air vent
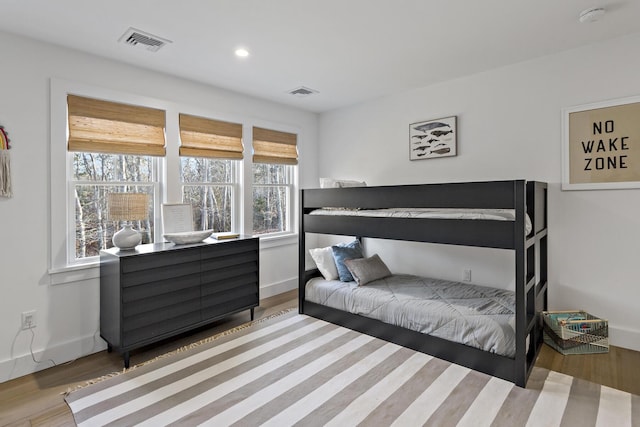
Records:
x=302, y=91
x=137, y=38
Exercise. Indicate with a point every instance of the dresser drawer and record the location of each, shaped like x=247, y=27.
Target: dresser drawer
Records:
x=152, y=261
x=229, y=248
x=160, y=302
x=150, y=319
x=216, y=306
x=160, y=272
x=151, y=332
x=149, y=290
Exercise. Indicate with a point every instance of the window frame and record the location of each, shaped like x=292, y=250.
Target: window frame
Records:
x=291, y=185
x=63, y=266
x=156, y=166
x=236, y=167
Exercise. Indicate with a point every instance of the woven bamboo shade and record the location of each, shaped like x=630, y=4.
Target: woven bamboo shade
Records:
x=128, y=206
x=202, y=137
x=97, y=126
x=270, y=146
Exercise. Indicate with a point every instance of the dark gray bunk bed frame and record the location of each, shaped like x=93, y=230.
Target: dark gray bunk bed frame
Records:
x=530, y=257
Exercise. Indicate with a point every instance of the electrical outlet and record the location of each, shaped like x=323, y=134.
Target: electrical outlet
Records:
x=28, y=319
x=466, y=277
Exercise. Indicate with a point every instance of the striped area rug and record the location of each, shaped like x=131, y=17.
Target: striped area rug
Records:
x=296, y=370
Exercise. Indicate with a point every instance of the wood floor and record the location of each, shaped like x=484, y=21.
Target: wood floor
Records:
x=37, y=399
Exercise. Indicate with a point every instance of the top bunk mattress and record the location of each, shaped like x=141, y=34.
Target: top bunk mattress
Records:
x=432, y=213
x=473, y=315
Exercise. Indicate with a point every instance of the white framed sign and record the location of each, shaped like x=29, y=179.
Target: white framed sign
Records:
x=601, y=145
x=177, y=218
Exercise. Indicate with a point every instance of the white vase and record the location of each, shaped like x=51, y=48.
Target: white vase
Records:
x=127, y=238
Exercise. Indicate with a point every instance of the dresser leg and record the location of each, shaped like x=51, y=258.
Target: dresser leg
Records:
x=125, y=357
x=251, y=313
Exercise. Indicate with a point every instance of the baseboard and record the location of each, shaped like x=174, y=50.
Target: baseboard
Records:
x=68, y=351
x=278, y=287
x=62, y=353
x=625, y=338
x=71, y=350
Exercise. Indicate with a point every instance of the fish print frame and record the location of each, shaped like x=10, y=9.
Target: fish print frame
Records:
x=433, y=139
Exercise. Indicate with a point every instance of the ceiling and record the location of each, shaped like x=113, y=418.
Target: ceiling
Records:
x=350, y=51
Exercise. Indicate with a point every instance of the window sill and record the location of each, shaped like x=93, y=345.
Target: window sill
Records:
x=75, y=273
x=273, y=241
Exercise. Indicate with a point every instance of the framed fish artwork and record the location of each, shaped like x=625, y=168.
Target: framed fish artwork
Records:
x=432, y=139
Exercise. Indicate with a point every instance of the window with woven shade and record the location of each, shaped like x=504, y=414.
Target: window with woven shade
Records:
x=203, y=137
x=114, y=148
x=275, y=156
x=99, y=126
x=271, y=146
x=210, y=151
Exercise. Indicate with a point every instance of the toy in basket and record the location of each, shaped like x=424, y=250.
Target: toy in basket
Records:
x=575, y=332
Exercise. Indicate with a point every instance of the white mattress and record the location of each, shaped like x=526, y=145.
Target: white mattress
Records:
x=434, y=213
x=477, y=316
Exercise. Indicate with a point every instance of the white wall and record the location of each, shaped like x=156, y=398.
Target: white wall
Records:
x=509, y=126
x=67, y=313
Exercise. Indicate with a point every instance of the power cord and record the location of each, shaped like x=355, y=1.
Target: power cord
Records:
x=33, y=336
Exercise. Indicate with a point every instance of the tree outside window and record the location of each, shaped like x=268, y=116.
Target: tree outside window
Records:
x=207, y=184
x=272, y=186
x=94, y=175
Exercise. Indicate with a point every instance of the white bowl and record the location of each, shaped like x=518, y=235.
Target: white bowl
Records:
x=187, y=236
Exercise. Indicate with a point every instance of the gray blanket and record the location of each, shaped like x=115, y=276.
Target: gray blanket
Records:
x=477, y=316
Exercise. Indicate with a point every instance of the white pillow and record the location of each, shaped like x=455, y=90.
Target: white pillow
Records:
x=323, y=257
x=340, y=183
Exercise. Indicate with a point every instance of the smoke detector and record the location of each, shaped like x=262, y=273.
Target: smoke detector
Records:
x=302, y=91
x=591, y=15
x=137, y=38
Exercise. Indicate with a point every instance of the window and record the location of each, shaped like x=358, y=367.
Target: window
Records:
x=112, y=147
x=208, y=184
x=94, y=176
x=210, y=151
x=275, y=155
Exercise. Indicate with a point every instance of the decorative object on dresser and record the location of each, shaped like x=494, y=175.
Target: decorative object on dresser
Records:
x=187, y=237
x=225, y=236
x=177, y=217
x=127, y=207
x=161, y=289
x=433, y=138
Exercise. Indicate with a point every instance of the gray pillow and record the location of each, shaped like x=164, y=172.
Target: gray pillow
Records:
x=365, y=270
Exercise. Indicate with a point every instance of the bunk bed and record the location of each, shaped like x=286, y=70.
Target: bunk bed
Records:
x=526, y=200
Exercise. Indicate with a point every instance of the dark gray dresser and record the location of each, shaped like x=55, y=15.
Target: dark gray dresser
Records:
x=160, y=290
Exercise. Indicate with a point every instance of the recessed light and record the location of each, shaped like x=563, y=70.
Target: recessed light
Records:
x=242, y=53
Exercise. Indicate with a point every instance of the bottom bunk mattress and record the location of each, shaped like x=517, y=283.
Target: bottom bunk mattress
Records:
x=477, y=316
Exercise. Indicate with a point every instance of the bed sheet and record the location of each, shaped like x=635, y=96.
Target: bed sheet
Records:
x=478, y=316
x=433, y=213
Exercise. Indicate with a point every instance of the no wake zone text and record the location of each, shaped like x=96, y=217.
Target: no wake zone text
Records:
x=611, y=146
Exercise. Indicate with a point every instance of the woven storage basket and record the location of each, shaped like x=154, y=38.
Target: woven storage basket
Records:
x=575, y=332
